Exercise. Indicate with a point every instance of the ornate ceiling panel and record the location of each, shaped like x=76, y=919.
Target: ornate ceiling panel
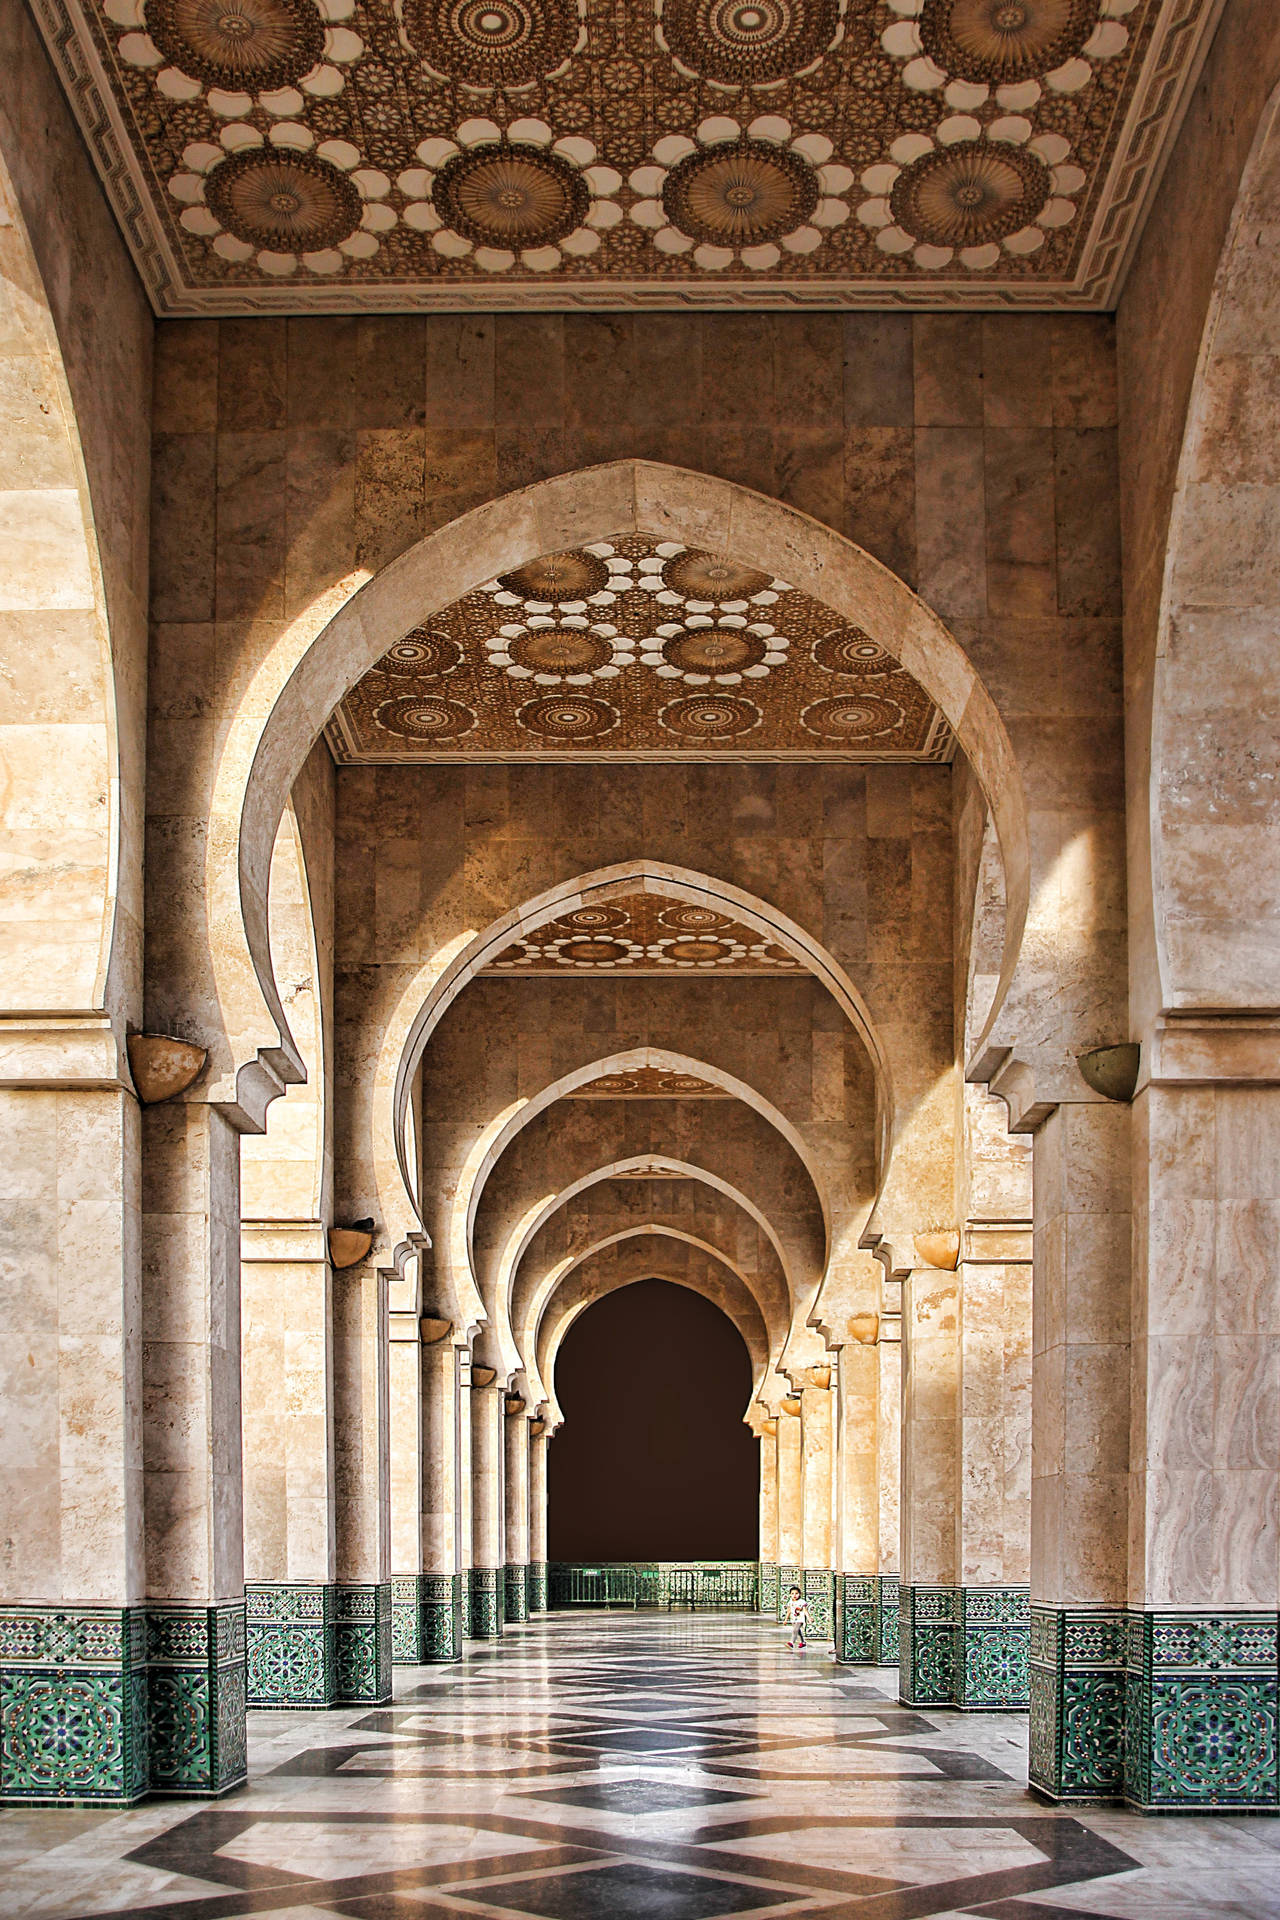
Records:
x=644, y=933
x=286, y=155
x=649, y=1083
x=638, y=647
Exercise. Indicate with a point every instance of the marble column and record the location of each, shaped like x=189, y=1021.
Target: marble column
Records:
x=290, y=1535
x=790, y=1503
x=426, y=1581
x=488, y=1555
x=515, y=1482
x=539, y=1441
x=465, y=1497
x=817, y=1444
x=1201, y=1654
x=930, y=1474
x=72, y=1562
x=362, y=1484
x=191, y=1438
x=768, y=1589
x=862, y=1457
x=1080, y=1450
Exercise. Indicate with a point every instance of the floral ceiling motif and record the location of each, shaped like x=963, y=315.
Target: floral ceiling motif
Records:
x=285, y=154
x=640, y=647
x=644, y=933
x=648, y=1083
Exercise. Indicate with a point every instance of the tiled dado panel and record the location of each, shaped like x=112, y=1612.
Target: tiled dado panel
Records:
x=290, y=1645
x=102, y=1703
x=536, y=1586
x=867, y=1619
x=964, y=1646
x=1166, y=1710
x=487, y=1602
x=362, y=1636
x=515, y=1592
x=430, y=1616
x=767, y=1592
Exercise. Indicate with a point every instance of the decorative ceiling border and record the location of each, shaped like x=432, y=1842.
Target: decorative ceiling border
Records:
x=1175, y=55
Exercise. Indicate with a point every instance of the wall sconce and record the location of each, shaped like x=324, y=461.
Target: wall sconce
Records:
x=163, y=1067
x=483, y=1376
x=1111, y=1071
x=349, y=1245
x=432, y=1331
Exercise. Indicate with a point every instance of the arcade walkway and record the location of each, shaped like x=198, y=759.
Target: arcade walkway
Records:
x=636, y=1768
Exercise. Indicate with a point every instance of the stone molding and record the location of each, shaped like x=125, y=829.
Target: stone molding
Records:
x=62, y=1052
x=293, y=1241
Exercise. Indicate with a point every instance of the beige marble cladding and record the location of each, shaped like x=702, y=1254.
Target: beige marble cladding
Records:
x=488, y=1508
x=538, y=1444
x=362, y=1426
x=515, y=1487
x=818, y=1448
x=931, y=1460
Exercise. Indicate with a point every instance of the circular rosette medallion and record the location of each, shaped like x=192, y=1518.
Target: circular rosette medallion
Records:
x=424, y=717
x=712, y=716
x=284, y=202
x=964, y=195
x=560, y=651
x=856, y=716
x=600, y=952
x=252, y=46
x=558, y=577
x=562, y=717
x=744, y=42
x=714, y=650
x=421, y=655
x=594, y=919
x=683, y=1083
x=616, y=1083
x=696, y=953
x=511, y=196
x=850, y=650
x=999, y=41
x=704, y=576
x=688, y=919
x=492, y=43
x=740, y=195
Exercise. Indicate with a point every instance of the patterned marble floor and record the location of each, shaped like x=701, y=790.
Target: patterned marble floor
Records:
x=630, y=1767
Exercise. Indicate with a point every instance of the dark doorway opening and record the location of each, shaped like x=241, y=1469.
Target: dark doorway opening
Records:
x=653, y=1461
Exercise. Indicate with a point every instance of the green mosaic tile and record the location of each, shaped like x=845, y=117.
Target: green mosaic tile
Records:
x=890, y=1621
x=196, y=1657
x=857, y=1604
x=486, y=1603
x=73, y=1706
x=1201, y=1711
x=290, y=1645
x=406, y=1632
x=788, y=1577
x=362, y=1641
x=768, y=1600
x=928, y=1624
x=820, y=1592
x=464, y=1606
x=440, y=1604
x=515, y=1593
x=537, y=1586
x=1077, y=1702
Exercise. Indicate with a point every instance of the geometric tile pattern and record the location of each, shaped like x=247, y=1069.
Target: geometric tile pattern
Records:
x=537, y=1586
x=516, y=1592
x=339, y=154
x=290, y=1644
x=768, y=1599
x=362, y=1641
x=428, y=1624
x=1201, y=1711
x=73, y=1705
x=648, y=1083
x=638, y=647
x=1077, y=1708
x=644, y=933
x=196, y=1690
x=487, y=1603
x=867, y=1619
x=964, y=1647
x=820, y=1593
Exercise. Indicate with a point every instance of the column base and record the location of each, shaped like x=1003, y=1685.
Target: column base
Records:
x=819, y=1585
x=788, y=1577
x=464, y=1606
x=536, y=1586
x=362, y=1624
x=515, y=1596
x=290, y=1644
x=73, y=1706
x=1201, y=1712
x=427, y=1619
x=964, y=1647
x=867, y=1619
x=767, y=1591
x=486, y=1603
x=196, y=1657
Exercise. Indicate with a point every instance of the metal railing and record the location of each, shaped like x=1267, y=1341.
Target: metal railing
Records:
x=725, y=1586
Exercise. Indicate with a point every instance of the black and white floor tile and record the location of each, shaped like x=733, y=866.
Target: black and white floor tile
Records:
x=624, y=1767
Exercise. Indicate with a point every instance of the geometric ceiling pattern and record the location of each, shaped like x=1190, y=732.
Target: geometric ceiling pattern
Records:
x=640, y=648
x=286, y=155
x=644, y=933
x=649, y=1083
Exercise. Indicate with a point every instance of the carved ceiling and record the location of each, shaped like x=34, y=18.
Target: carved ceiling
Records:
x=286, y=155
x=644, y=933
x=649, y=1083
x=638, y=647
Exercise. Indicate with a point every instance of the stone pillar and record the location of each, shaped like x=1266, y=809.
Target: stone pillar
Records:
x=858, y=1455
x=515, y=1480
x=192, y=1448
x=426, y=1588
x=790, y=1502
x=362, y=1485
x=466, y=1503
x=817, y=1441
x=73, y=1638
x=539, y=1441
x=1201, y=1655
x=930, y=1477
x=1080, y=1450
x=290, y=1535
x=768, y=1590
x=487, y=1503
x=889, y=1585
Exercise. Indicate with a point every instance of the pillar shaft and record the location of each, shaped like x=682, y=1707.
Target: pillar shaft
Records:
x=516, y=1513
x=768, y=1597
x=817, y=1442
x=790, y=1506
x=487, y=1512
x=538, y=1444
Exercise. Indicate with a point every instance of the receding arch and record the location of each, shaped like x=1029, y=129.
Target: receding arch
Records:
x=1213, y=798
x=497, y=1136
x=319, y=658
